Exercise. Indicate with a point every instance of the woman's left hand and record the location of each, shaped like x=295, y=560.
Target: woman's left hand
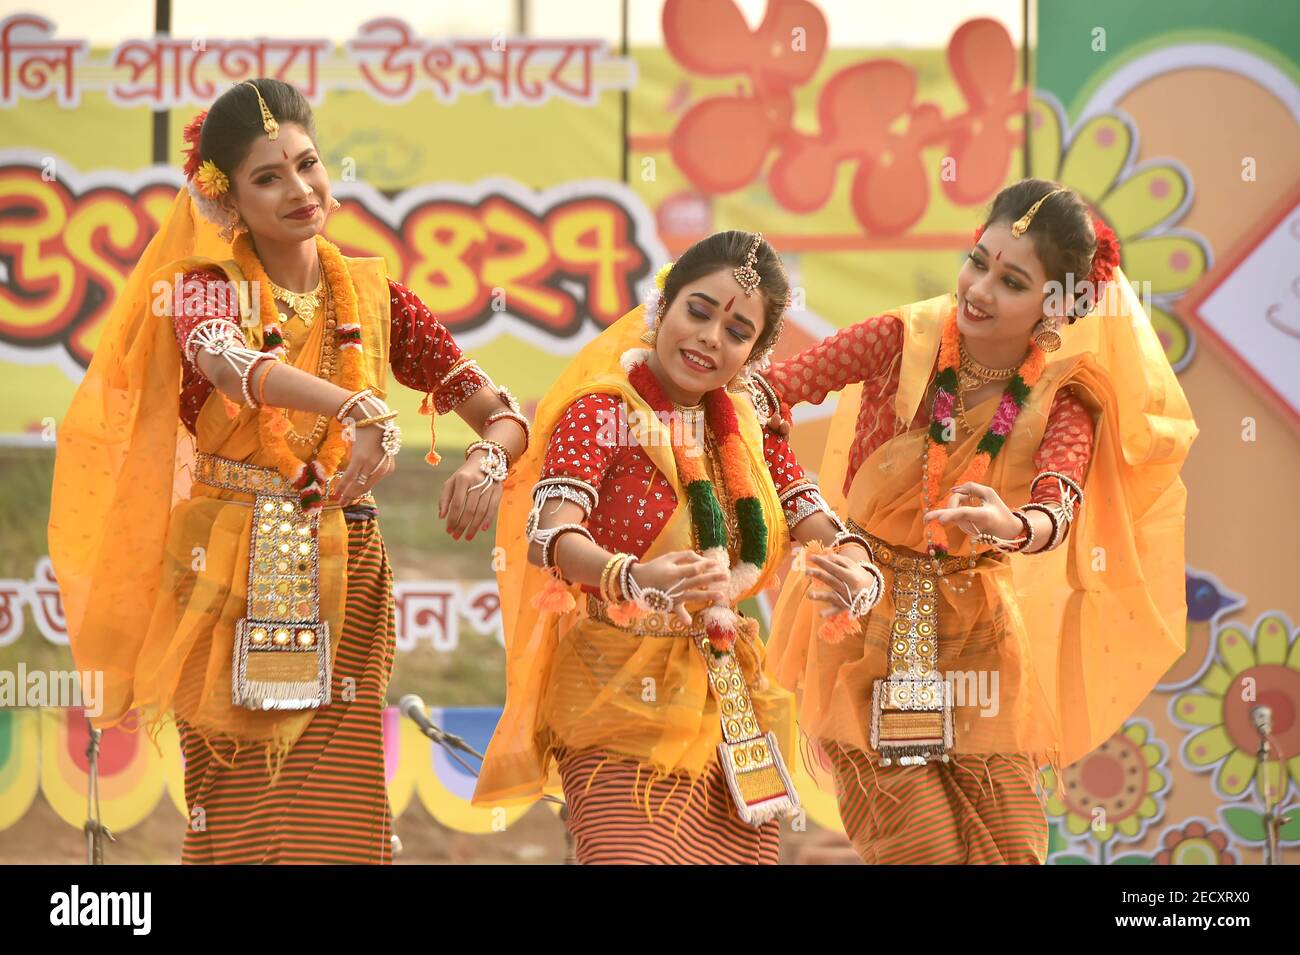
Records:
x=844, y=577
x=988, y=514
x=469, y=511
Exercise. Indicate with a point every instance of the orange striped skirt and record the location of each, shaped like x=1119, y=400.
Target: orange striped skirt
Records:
x=617, y=815
x=330, y=802
x=973, y=810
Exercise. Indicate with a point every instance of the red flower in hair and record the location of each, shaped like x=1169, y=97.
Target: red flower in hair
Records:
x=1106, y=258
x=192, y=133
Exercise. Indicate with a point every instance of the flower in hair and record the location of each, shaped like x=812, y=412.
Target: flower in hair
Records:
x=1106, y=258
x=210, y=180
x=661, y=277
x=193, y=133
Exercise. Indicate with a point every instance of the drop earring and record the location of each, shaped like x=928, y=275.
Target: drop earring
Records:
x=1047, y=334
x=234, y=225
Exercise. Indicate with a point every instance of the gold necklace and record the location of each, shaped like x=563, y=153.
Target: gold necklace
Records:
x=325, y=370
x=972, y=373
x=303, y=303
x=961, y=411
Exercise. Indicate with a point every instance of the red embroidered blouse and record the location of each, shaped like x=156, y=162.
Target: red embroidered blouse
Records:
x=421, y=350
x=871, y=352
x=635, y=501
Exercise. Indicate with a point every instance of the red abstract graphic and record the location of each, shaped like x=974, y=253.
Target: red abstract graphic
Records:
x=868, y=114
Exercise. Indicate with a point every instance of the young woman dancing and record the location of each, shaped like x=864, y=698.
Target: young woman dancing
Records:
x=1018, y=626
x=212, y=528
x=650, y=506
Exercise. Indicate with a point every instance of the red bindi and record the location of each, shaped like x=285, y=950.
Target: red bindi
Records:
x=284, y=154
x=728, y=308
x=998, y=257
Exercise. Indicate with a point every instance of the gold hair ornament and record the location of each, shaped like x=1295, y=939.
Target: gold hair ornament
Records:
x=1019, y=227
x=268, y=121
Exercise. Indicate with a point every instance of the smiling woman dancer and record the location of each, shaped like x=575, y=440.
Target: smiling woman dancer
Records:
x=212, y=530
x=1009, y=634
x=653, y=486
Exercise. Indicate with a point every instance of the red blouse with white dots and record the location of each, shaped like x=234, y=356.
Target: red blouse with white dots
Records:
x=421, y=351
x=635, y=499
x=870, y=352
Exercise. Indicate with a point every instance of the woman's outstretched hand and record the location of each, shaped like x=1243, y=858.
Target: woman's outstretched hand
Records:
x=987, y=515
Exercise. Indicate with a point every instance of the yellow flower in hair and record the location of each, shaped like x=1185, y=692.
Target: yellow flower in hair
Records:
x=212, y=182
x=661, y=277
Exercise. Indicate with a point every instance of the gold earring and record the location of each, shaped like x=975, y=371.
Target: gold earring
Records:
x=1047, y=334
x=650, y=336
x=233, y=224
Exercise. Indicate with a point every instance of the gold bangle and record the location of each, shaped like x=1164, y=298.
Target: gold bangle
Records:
x=376, y=419
x=611, y=566
x=349, y=401
x=616, y=582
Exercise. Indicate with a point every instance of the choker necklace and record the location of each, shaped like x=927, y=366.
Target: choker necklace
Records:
x=973, y=373
x=304, y=304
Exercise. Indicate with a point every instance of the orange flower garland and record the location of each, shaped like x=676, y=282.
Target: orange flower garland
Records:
x=308, y=477
x=946, y=385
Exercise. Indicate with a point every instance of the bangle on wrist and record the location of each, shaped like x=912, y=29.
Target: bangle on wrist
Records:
x=349, y=401
x=514, y=416
x=1013, y=545
x=375, y=419
x=489, y=447
x=552, y=538
x=495, y=464
x=261, y=384
x=1054, y=514
x=244, y=382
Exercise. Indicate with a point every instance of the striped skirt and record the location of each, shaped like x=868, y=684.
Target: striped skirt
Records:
x=973, y=810
x=616, y=815
x=330, y=802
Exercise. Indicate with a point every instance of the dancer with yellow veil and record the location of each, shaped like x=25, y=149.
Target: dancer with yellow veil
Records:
x=211, y=527
x=1017, y=481
x=650, y=505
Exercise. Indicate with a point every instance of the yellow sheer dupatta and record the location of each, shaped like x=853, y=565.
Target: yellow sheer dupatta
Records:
x=515, y=770
x=153, y=568
x=1104, y=614
x=121, y=463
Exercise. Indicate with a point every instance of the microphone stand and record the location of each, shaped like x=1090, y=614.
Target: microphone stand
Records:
x=94, y=828
x=450, y=742
x=1272, y=819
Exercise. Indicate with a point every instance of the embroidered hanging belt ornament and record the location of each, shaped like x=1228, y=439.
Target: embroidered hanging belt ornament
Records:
x=751, y=760
x=911, y=709
x=282, y=647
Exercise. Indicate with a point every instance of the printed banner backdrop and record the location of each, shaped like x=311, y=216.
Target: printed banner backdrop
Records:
x=527, y=189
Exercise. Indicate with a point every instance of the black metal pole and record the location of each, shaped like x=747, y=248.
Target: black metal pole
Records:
x=162, y=26
x=624, y=95
x=1025, y=162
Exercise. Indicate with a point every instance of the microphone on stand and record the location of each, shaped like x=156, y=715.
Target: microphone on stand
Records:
x=1261, y=717
x=412, y=706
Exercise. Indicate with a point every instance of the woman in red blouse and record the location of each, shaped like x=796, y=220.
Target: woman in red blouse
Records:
x=959, y=443
x=655, y=503
x=251, y=597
